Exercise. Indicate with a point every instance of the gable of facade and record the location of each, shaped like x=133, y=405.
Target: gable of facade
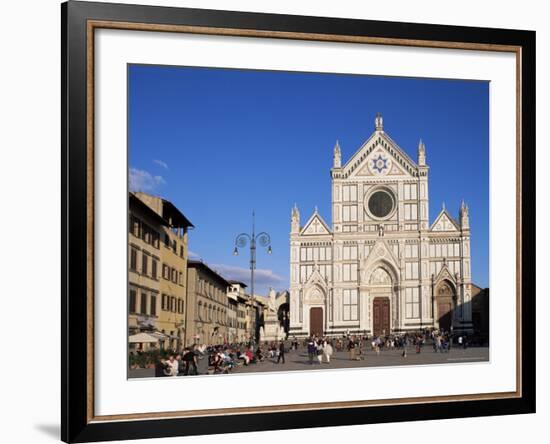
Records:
x=315, y=226
x=444, y=222
x=379, y=157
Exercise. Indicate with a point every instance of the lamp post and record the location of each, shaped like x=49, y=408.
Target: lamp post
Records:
x=242, y=240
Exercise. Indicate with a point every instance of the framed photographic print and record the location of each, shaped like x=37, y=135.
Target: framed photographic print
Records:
x=276, y=221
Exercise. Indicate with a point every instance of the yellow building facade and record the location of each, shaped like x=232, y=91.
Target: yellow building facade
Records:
x=208, y=306
x=158, y=252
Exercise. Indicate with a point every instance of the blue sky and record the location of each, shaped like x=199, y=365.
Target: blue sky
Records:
x=220, y=143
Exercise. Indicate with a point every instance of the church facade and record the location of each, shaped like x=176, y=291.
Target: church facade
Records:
x=382, y=267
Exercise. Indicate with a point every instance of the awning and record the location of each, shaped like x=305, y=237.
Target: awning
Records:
x=142, y=338
x=161, y=336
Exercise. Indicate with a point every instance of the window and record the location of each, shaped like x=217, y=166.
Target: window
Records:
x=133, y=301
x=410, y=191
x=181, y=250
x=173, y=304
x=350, y=305
x=154, y=268
x=350, y=193
x=153, y=305
x=411, y=250
x=411, y=270
x=166, y=240
x=174, y=275
x=134, y=226
x=165, y=302
x=180, y=278
x=144, y=264
x=411, y=211
x=155, y=239
x=349, y=213
x=174, y=246
x=146, y=234
x=350, y=272
x=350, y=252
x=412, y=303
x=143, y=306
x=133, y=259
x=381, y=203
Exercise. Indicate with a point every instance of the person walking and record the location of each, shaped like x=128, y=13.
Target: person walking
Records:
x=319, y=350
x=190, y=359
x=311, y=350
x=351, y=349
x=327, y=351
x=281, y=352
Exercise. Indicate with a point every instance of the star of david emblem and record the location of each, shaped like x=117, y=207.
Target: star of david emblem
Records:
x=380, y=164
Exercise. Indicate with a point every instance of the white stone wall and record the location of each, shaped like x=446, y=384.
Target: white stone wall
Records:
x=416, y=255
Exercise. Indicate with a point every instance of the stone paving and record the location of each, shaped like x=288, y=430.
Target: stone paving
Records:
x=298, y=360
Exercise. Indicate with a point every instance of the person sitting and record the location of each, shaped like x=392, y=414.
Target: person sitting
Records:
x=161, y=368
x=259, y=355
x=250, y=356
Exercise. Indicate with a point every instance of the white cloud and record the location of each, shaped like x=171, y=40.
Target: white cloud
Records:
x=193, y=255
x=161, y=163
x=262, y=277
x=141, y=180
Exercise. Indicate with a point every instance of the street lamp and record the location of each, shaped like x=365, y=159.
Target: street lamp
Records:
x=243, y=239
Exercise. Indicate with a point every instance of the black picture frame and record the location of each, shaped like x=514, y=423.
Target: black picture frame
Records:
x=76, y=423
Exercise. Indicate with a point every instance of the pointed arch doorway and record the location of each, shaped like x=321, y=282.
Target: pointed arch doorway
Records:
x=316, y=321
x=380, y=284
x=445, y=298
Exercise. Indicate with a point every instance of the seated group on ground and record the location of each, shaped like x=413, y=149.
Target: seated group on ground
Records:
x=220, y=358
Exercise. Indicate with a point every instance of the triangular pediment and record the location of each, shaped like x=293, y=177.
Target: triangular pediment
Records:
x=316, y=278
x=380, y=253
x=445, y=274
x=444, y=222
x=315, y=226
x=380, y=156
x=379, y=164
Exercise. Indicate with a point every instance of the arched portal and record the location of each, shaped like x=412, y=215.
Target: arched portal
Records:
x=380, y=284
x=445, y=296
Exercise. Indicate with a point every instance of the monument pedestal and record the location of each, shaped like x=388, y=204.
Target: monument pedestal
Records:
x=272, y=330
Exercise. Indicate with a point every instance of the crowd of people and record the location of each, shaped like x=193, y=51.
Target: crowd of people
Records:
x=220, y=358
x=224, y=358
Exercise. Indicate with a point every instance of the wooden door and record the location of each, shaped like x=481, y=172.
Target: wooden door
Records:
x=316, y=321
x=381, y=316
x=444, y=313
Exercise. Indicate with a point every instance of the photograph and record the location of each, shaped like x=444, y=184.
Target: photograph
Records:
x=284, y=221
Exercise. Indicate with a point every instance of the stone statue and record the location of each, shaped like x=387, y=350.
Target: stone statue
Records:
x=272, y=303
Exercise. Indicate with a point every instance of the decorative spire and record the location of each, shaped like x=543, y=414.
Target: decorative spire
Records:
x=421, y=153
x=295, y=220
x=337, y=157
x=316, y=211
x=443, y=205
x=379, y=122
x=464, y=215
